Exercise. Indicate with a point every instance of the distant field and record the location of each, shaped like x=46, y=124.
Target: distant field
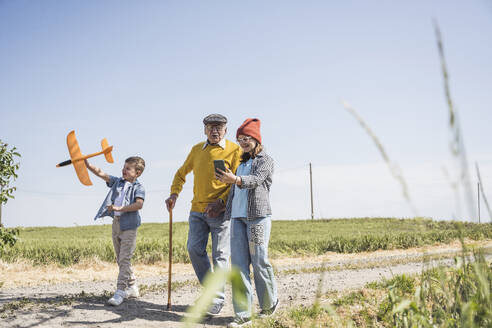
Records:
x=66, y=246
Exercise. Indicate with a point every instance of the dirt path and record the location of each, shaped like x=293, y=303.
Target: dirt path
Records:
x=83, y=303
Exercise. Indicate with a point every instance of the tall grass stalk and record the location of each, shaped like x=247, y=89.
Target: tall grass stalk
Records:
x=393, y=167
x=317, y=307
x=456, y=297
x=457, y=146
x=482, y=192
x=213, y=282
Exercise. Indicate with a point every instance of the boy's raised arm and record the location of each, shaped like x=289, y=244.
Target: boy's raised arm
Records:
x=97, y=171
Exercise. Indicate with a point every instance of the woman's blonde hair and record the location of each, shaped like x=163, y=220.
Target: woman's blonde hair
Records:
x=246, y=156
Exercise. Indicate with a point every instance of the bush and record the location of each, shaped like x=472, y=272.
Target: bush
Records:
x=8, y=238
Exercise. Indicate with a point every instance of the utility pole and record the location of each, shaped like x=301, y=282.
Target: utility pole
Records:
x=311, y=187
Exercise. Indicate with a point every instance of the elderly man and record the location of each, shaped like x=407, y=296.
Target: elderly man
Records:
x=209, y=199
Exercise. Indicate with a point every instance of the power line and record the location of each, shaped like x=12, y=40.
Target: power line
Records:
x=38, y=192
x=83, y=194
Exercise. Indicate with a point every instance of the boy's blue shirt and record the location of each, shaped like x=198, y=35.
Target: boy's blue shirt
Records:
x=128, y=220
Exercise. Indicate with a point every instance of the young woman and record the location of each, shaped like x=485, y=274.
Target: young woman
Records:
x=248, y=206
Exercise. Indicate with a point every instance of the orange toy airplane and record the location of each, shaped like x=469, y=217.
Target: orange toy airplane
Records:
x=77, y=159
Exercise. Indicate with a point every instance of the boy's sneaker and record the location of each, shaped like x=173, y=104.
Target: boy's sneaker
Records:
x=240, y=322
x=269, y=312
x=132, y=291
x=215, y=309
x=117, y=298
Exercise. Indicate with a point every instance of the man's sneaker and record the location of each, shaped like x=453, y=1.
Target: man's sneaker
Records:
x=269, y=312
x=132, y=291
x=240, y=322
x=215, y=309
x=117, y=298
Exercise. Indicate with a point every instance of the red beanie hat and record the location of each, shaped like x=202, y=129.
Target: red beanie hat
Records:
x=250, y=127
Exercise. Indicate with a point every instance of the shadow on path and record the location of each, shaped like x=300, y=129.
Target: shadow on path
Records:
x=82, y=310
x=84, y=307
x=130, y=310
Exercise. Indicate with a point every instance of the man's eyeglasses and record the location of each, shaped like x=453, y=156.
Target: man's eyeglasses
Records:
x=217, y=128
x=244, y=139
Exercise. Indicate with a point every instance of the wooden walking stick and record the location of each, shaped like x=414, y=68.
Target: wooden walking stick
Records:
x=170, y=259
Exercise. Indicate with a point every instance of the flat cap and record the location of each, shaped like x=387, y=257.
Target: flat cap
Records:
x=215, y=118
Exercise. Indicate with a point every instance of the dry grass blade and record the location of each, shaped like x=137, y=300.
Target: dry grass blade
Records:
x=457, y=144
x=394, y=168
x=482, y=192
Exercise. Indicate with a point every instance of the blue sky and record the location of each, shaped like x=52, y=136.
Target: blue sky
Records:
x=144, y=74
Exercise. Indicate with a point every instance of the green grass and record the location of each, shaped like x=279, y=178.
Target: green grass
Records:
x=457, y=296
x=367, y=234
x=403, y=282
x=446, y=297
x=66, y=246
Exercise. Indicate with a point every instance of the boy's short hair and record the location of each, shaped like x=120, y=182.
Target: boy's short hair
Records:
x=137, y=161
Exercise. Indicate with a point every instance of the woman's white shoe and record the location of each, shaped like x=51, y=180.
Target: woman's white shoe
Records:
x=132, y=291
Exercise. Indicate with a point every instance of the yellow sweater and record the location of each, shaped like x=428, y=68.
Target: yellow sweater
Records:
x=206, y=188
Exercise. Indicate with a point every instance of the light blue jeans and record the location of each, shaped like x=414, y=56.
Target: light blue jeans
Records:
x=199, y=228
x=249, y=245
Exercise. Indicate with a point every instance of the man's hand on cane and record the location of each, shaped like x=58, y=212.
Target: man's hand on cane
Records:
x=171, y=201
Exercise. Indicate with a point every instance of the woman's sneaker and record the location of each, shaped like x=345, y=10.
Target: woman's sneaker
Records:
x=215, y=309
x=269, y=312
x=132, y=291
x=117, y=298
x=240, y=322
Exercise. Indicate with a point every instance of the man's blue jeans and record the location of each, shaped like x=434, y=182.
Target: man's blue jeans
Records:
x=249, y=245
x=199, y=228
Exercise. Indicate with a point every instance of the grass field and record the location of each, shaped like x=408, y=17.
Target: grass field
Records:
x=66, y=246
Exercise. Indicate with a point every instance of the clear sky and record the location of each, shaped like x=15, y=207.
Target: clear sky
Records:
x=144, y=74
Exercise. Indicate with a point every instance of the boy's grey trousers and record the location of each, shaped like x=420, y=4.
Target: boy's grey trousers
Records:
x=124, y=243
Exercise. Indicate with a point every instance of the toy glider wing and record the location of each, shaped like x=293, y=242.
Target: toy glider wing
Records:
x=107, y=150
x=79, y=165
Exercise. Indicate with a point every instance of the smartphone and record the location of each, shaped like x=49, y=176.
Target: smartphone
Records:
x=219, y=164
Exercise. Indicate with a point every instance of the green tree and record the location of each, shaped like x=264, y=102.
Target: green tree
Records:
x=8, y=168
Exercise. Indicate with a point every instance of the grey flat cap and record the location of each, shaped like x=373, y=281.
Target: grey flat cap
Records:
x=215, y=118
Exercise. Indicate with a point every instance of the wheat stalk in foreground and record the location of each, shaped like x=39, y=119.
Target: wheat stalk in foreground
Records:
x=393, y=167
x=457, y=145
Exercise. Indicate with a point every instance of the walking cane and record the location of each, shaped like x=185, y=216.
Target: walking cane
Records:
x=170, y=259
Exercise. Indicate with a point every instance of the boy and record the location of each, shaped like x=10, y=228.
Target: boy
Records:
x=122, y=203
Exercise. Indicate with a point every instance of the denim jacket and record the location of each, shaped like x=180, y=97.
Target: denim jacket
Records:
x=258, y=184
x=128, y=220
